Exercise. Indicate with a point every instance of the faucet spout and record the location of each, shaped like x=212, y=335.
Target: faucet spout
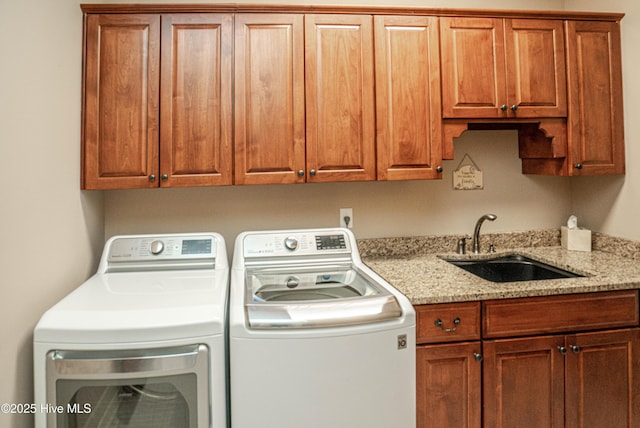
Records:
x=476, y=232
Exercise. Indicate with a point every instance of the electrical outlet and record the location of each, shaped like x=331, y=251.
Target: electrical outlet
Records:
x=346, y=217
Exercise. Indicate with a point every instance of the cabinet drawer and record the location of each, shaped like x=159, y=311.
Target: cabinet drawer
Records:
x=448, y=322
x=557, y=314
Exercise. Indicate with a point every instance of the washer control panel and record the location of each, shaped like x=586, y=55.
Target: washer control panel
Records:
x=131, y=249
x=295, y=243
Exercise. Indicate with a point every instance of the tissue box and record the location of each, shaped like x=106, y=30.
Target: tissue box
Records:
x=576, y=239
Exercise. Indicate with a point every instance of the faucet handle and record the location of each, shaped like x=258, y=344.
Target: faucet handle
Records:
x=462, y=245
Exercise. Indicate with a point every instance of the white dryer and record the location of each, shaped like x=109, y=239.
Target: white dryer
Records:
x=142, y=342
x=317, y=339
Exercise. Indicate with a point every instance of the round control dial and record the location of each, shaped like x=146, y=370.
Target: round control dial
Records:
x=291, y=243
x=156, y=247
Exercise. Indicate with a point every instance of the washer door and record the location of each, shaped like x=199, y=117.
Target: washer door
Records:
x=312, y=298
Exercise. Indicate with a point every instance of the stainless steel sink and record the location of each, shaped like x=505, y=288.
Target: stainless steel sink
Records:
x=512, y=267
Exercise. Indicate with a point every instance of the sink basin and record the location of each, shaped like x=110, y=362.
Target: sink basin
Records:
x=512, y=267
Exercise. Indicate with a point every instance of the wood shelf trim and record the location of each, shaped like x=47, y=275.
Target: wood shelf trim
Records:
x=374, y=10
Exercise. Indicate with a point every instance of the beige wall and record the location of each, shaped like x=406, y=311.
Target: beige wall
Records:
x=52, y=232
x=403, y=208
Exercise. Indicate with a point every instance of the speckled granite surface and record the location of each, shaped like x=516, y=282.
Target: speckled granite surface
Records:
x=415, y=266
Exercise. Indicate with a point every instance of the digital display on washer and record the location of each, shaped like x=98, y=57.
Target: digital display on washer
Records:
x=330, y=242
x=196, y=246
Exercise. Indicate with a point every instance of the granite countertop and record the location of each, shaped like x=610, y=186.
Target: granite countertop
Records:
x=425, y=278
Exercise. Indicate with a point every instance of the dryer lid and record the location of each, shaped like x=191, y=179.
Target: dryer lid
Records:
x=314, y=297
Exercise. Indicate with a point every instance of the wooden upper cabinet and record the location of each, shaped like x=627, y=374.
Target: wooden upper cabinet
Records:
x=473, y=74
x=502, y=68
x=340, y=113
x=196, y=122
x=596, y=123
x=536, y=69
x=128, y=142
x=269, y=99
x=409, y=140
x=121, y=114
x=237, y=94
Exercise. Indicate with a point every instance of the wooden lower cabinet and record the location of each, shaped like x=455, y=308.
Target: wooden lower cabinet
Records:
x=602, y=379
x=577, y=381
x=567, y=366
x=448, y=379
x=523, y=383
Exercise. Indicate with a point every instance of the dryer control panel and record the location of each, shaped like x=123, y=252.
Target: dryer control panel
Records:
x=137, y=253
x=296, y=243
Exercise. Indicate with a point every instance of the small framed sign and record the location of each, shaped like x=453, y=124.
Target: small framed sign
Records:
x=467, y=176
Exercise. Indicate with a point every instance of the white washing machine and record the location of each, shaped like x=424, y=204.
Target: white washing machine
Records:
x=317, y=339
x=142, y=343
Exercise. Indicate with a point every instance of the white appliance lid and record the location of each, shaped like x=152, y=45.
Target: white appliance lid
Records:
x=139, y=307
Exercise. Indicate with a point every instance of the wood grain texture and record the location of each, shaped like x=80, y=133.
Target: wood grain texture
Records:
x=408, y=116
x=196, y=133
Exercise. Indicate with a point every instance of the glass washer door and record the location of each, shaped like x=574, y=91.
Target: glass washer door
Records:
x=140, y=388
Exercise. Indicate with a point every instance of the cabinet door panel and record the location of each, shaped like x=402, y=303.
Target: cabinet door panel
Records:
x=269, y=99
x=536, y=67
x=448, y=381
x=408, y=113
x=473, y=67
x=523, y=383
x=120, y=135
x=340, y=97
x=603, y=384
x=196, y=100
x=596, y=125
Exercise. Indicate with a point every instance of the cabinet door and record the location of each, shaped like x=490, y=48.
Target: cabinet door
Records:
x=340, y=97
x=448, y=386
x=603, y=383
x=408, y=116
x=473, y=67
x=596, y=126
x=523, y=383
x=196, y=100
x=269, y=99
x=121, y=112
x=536, y=76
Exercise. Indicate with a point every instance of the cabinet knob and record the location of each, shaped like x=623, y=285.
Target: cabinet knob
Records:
x=438, y=168
x=152, y=178
x=164, y=177
x=514, y=107
x=575, y=349
x=477, y=356
x=301, y=173
x=503, y=107
x=562, y=350
x=578, y=166
x=312, y=172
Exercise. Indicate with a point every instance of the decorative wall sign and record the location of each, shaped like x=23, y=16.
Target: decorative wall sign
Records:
x=467, y=175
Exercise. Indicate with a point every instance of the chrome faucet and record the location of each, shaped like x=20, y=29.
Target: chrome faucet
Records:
x=476, y=232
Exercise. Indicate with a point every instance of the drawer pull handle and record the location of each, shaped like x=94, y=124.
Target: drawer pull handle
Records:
x=439, y=323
